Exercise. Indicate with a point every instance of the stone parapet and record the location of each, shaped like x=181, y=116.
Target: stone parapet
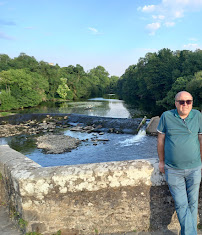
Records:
x=93, y=198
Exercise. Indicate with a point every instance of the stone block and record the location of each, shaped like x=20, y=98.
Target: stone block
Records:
x=152, y=126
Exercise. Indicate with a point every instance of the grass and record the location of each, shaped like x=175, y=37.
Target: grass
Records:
x=3, y=114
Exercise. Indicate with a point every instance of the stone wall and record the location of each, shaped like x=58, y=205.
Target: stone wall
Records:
x=86, y=199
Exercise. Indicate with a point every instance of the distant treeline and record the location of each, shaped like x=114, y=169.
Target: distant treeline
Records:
x=25, y=82
x=151, y=83
x=156, y=78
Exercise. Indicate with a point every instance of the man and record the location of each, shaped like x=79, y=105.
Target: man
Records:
x=180, y=152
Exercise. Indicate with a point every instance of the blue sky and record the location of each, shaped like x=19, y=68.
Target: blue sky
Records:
x=110, y=33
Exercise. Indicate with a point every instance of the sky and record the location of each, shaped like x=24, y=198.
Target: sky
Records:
x=112, y=33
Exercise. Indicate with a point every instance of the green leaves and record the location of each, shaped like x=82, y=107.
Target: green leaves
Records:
x=64, y=91
x=24, y=82
x=159, y=76
x=21, y=88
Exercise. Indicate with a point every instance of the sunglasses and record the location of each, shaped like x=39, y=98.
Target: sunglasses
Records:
x=182, y=102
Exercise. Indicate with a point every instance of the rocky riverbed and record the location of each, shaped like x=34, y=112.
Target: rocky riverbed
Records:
x=46, y=129
x=42, y=123
x=48, y=135
x=48, y=125
x=55, y=144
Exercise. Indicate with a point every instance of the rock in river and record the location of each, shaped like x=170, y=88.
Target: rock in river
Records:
x=57, y=143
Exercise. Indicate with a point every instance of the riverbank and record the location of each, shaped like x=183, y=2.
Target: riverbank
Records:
x=5, y=114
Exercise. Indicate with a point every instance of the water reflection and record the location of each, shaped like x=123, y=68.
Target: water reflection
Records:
x=93, y=107
x=25, y=144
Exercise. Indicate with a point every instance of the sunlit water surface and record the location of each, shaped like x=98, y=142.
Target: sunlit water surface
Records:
x=93, y=107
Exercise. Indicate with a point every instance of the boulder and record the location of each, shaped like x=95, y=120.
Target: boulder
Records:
x=152, y=126
x=55, y=144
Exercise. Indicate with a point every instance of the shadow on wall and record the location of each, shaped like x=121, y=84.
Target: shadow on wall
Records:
x=200, y=208
x=162, y=211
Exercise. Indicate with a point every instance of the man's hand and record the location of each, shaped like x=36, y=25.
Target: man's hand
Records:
x=160, y=148
x=161, y=167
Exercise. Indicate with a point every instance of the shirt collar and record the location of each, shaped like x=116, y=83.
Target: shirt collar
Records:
x=188, y=117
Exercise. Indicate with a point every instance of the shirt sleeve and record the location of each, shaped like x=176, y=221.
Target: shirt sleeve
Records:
x=200, y=123
x=161, y=126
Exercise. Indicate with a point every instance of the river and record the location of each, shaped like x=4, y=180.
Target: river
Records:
x=120, y=147
x=93, y=107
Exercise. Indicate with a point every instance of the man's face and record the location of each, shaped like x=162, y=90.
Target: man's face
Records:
x=183, y=109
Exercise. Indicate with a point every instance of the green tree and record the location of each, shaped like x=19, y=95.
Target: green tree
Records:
x=195, y=88
x=160, y=75
x=113, y=80
x=27, y=88
x=179, y=85
x=24, y=61
x=100, y=75
x=5, y=62
x=52, y=76
x=64, y=91
x=7, y=101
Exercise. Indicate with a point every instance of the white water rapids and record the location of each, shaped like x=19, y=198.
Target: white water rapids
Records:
x=135, y=139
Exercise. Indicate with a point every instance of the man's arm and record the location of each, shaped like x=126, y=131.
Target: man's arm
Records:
x=200, y=142
x=160, y=148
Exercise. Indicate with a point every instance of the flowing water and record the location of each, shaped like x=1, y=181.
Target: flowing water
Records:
x=119, y=147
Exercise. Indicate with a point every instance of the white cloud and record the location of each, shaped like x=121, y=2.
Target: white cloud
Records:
x=169, y=11
x=169, y=24
x=179, y=14
x=149, y=8
x=160, y=17
x=191, y=46
x=183, y=3
x=93, y=30
x=153, y=27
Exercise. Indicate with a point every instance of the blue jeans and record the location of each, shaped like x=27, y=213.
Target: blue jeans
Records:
x=184, y=188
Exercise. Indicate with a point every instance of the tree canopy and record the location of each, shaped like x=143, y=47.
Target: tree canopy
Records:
x=157, y=77
x=151, y=83
x=25, y=82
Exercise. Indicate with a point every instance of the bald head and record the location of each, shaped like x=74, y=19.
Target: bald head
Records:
x=181, y=93
x=183, y=103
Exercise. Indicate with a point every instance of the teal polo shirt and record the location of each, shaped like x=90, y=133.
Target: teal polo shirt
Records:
x=182, y=147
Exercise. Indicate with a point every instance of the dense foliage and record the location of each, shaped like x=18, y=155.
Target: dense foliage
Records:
x=157, y=77
x=151, y=84
x=25, y=82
